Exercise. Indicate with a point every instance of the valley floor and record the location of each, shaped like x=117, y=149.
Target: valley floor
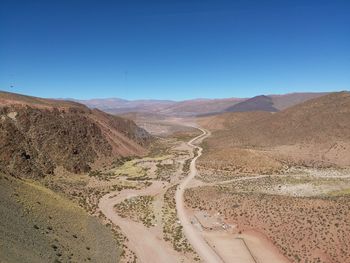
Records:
x=170, y=231
x=159, y=208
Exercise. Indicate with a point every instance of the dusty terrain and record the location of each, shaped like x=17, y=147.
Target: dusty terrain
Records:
x=171, y=232
x=148, y=210
x=50, y=150
x=38, y=135
x=198, y=242
x=305, y=216
x=150, y=247
x=258, y=196
x=312, y=134
x=164, y=126
x=39, y=225
x=297, y=167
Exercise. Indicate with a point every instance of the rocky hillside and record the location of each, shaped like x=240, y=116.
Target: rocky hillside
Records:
x=273, y=103
x=282, y=102
x=39, y=225
x=37, y=135
x=199, y=107
x=319, y=120
x=314, y=133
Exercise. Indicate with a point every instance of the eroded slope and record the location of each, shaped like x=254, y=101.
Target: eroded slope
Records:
x=37, y=135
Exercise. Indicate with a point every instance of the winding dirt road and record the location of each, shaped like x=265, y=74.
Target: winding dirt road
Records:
x=150, y=246
x=206, y=253
x=147, y=246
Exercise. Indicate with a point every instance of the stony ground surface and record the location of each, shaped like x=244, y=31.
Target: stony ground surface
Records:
x=149, y=209
x=39, y=135
x=306, y=216
x=39, y=225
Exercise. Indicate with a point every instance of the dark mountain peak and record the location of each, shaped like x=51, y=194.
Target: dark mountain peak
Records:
x=258, y=103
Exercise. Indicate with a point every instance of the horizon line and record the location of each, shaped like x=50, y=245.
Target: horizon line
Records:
x=174, y=100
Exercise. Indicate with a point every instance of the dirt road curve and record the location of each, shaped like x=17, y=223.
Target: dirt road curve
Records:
x=206, y=253
x=150, y=246
x=147, y=246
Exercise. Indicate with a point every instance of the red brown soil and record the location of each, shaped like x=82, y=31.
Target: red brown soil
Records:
x=304, y=229
x=282, y=102
x=37, y=135
x=314, y=133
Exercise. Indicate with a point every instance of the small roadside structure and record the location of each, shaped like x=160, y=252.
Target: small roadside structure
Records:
x=207, y=221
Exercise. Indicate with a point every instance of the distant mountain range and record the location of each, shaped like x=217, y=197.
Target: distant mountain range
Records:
x=196, y=107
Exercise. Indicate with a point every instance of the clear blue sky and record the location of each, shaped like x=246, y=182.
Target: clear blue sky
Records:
x=173, y=49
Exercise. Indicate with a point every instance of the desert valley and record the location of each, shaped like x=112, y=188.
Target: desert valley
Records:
x=181, y=131
x=263, y=179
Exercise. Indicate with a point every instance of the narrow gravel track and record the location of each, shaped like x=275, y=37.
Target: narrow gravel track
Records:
x=206, y=253
x=147, y=246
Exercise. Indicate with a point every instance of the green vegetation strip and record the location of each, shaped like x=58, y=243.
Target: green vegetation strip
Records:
x=172, y=229
x=138, y=209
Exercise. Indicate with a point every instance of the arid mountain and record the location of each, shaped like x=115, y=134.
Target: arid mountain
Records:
x=285, y=101
x=273, y=103
x=319, y=120
x=314, y=133
x=165, y=107
x=8, y=99
x=199, y=107
x=37, y=135
x=258, y=103
x=120, y=106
